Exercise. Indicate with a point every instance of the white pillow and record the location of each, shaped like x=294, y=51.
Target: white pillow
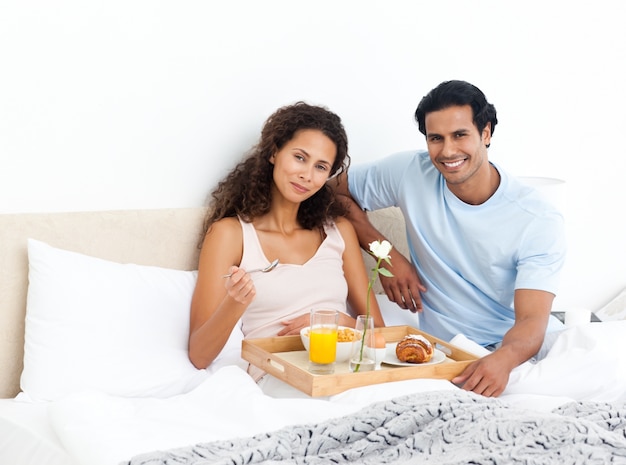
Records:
x=92, y=324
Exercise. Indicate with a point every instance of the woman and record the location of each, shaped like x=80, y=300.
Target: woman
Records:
x=276, y=205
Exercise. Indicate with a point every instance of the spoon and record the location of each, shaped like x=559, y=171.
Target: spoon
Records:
x=267, y=269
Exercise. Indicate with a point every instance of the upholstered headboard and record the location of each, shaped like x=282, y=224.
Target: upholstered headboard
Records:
x=163, y=237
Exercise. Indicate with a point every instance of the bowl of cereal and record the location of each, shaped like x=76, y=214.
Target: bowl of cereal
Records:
x=345, y=336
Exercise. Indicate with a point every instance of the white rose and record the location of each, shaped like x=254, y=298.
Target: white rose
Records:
x=380, y=249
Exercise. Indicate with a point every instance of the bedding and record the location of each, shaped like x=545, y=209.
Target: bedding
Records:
x=93, y=323
x=450, y=427
x=96, y=428
x=27, y=437
x=84, y=410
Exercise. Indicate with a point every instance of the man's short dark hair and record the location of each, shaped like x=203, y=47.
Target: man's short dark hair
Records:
x=457, y=93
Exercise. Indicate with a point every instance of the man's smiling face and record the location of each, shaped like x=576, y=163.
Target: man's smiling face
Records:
x=456, y=147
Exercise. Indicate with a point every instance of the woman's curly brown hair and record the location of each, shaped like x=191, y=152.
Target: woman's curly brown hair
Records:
x=246, y=191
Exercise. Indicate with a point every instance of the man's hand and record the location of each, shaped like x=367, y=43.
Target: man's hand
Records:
x=405, y=286
x=487, y=376
x=490, y=375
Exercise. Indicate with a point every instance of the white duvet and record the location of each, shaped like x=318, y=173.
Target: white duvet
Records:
x=586, y=363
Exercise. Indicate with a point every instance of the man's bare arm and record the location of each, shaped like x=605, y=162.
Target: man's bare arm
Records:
x=405, y=286
x=489, y=375
x=365, y=230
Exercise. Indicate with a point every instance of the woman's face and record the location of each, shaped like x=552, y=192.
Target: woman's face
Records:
x=303, y=165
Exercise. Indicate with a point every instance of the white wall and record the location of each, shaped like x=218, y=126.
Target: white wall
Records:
x=125, y=104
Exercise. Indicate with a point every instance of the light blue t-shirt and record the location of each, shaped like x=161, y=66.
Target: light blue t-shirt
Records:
x=471, y=258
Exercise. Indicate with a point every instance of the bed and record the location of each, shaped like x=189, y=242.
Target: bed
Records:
x=93, y=333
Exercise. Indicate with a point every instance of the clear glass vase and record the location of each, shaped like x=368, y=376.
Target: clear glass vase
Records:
x=363, y=354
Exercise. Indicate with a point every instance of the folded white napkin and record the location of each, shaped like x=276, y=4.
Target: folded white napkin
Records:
x=462, y=342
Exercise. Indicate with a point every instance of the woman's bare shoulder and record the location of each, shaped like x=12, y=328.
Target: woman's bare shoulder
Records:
x=224, y=239
x=224, y=233
x=228, y=225
x=347, y=231
x=344, y=225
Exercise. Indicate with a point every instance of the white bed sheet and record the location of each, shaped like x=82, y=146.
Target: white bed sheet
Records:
x=586, y=363
x=104, y=430
x=27, y=437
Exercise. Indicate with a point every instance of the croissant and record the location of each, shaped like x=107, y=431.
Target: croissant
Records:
x=414, y=348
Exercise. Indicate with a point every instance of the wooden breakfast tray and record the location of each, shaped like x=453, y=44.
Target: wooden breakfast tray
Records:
x=285, y=358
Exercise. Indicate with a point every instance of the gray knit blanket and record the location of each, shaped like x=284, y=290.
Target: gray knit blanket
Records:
x=448, y=427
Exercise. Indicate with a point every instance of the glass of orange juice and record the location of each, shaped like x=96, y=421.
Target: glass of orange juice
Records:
x=323, y=341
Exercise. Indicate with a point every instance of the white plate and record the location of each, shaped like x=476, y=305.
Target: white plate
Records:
x=391, y=359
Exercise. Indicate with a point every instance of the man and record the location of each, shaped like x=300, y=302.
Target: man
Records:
x=486, y=251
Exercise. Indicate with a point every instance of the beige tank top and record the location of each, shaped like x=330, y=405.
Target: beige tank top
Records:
x=291, y=290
